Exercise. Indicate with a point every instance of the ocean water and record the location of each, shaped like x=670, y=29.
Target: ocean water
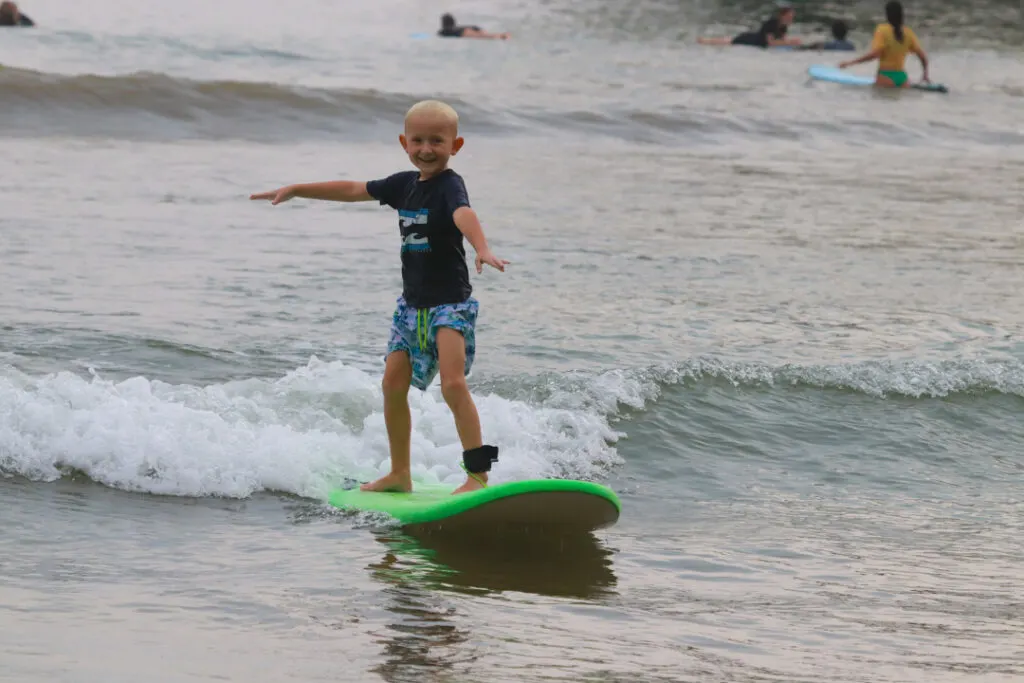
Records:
x=782, y=319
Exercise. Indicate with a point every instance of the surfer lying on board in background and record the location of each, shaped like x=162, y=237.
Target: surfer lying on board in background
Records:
x=449, y=29
x=433, y=324
x=838, y=42
x=10, y=15
x=771, y=34
x=891, y=45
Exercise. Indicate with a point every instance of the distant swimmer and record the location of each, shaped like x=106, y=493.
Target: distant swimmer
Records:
x=449, y=29
x=11, y=16
x=771, y=34
x=838, y=42
x=892, y=43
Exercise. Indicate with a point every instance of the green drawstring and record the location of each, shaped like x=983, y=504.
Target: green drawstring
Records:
x=478, y=479
x=421, y=328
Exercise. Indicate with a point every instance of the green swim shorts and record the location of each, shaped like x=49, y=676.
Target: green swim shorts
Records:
x=899, y=78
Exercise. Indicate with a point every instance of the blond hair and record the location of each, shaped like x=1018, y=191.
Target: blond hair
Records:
x=434, y=109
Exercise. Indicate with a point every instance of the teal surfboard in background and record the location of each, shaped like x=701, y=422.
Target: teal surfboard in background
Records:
x=834, y=74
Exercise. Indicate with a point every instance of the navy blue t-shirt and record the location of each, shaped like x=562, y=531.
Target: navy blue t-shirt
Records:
x=434, y=270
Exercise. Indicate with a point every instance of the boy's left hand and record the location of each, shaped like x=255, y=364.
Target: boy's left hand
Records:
x=491, y=260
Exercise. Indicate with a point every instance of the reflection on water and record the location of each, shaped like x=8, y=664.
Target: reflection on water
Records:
x=420, y=573
x=577, y=566
x=422, y=638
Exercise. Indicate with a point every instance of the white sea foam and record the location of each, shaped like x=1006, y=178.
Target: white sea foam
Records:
x=303, y=433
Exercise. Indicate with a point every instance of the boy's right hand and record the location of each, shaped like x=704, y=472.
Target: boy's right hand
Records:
x=281, y=194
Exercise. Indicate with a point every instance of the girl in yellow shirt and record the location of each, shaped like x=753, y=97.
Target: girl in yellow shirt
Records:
x=891, y=45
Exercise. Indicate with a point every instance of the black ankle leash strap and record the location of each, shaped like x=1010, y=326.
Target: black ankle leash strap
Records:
x=480, y=459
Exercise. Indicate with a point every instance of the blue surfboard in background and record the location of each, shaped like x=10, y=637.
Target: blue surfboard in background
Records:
x=836, y=75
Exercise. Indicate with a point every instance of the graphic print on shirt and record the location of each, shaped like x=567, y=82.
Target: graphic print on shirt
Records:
x=412, y=240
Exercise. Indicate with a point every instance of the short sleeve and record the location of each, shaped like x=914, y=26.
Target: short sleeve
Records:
x=878, y=42
x=388, y=190
x=455, y=194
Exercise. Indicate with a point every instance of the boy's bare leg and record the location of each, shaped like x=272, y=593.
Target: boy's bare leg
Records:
x=451, y=352
x=398, y=420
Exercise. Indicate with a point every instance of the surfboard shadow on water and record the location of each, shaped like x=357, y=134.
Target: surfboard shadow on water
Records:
x=563, y=565
x=428, y=635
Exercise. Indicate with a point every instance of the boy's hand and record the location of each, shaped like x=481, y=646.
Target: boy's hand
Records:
x=491, y=260
x=282, y=194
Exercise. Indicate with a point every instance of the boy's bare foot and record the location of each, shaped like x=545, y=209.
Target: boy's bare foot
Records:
x=472, y=484
x=392, y=481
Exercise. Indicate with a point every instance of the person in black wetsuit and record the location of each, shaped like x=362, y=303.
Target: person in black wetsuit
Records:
x=11, y=16
x=449, y=29
x=771, y=34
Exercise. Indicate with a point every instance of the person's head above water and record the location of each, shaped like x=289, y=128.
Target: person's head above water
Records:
x=785, y=12
x=894, y=15
x=431, y=136
x=8, y=13
x=839, y=29
x=447, y=22
x=434, y=111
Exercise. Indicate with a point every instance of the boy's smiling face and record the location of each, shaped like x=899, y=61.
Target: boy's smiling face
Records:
x=430, y=140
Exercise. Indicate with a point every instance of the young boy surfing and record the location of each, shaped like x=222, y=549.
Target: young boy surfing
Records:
x=432, y=329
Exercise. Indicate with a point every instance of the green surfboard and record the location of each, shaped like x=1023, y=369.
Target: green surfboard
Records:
x=565, y=505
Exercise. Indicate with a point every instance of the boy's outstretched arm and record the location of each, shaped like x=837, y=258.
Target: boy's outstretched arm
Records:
x=332, y=190
x=469, y=225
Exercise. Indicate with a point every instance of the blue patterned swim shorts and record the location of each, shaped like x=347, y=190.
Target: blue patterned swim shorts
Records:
x=415, y=332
